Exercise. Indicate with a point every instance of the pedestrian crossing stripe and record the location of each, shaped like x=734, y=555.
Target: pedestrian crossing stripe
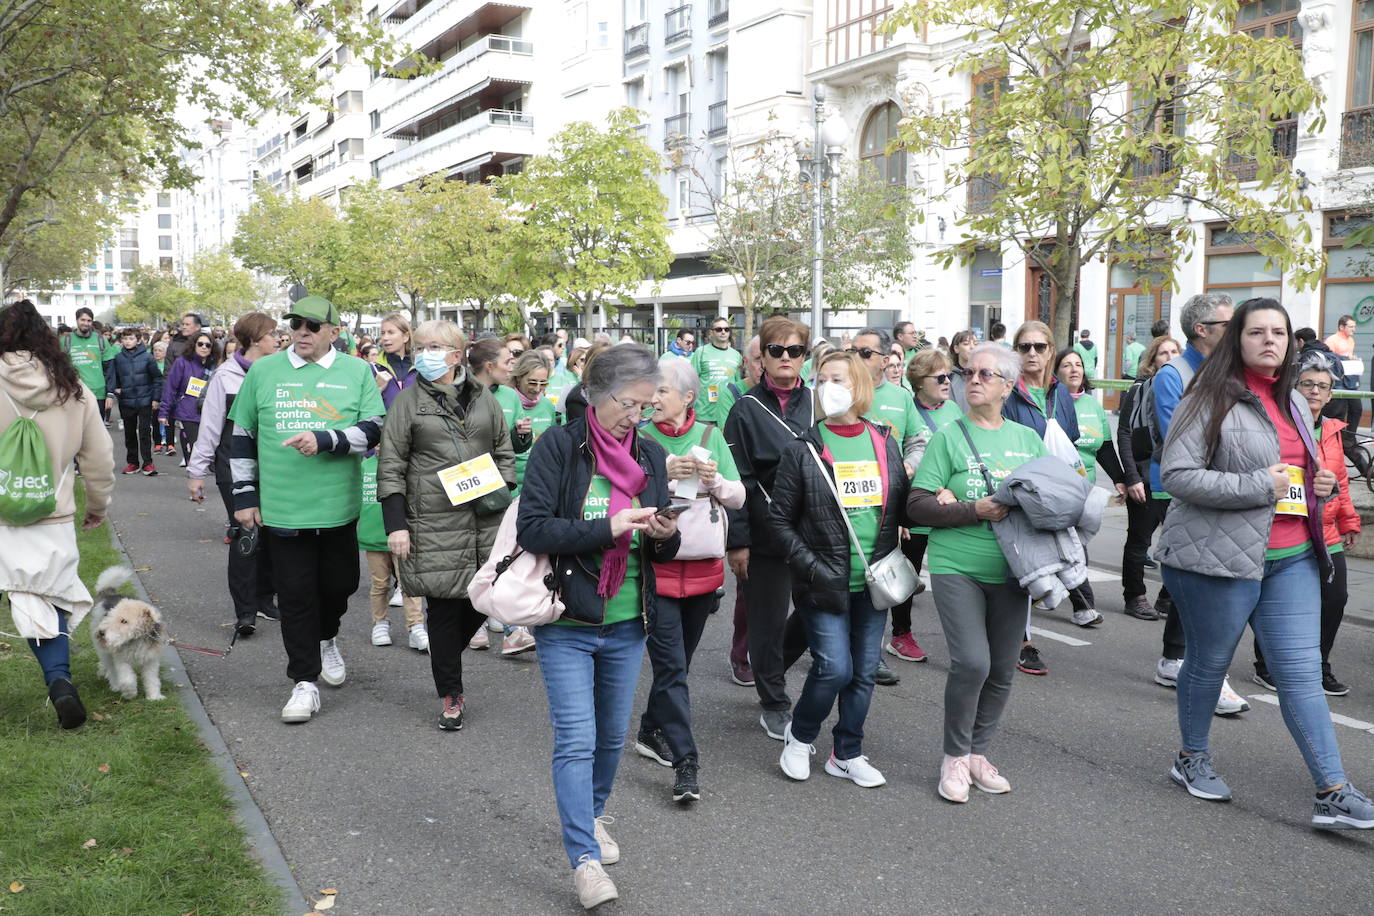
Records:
x=1335, y=716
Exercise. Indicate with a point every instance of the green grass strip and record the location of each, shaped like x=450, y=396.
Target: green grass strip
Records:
x=135, y=779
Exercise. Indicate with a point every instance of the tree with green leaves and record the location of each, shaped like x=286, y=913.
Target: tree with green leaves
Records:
x=222, y=289
x=158, y=296
x=300, y=240
x=1093, y=131
x=383, y=262
x=595, y=213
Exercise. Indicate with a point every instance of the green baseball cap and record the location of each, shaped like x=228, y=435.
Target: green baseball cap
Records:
x=315, y=308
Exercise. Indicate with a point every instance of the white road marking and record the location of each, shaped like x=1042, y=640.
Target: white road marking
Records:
x=1102, y=575
x=1335, y=716
x=1059, y=637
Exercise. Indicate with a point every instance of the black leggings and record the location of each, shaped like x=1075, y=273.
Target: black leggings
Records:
x=190, y=429
x=452, y=624
x=915, y=550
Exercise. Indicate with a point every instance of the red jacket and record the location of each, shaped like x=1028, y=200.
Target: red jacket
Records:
x=685, y=578
x=1340, y=516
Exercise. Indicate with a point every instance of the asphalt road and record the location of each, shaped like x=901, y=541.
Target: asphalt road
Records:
x=372, y=799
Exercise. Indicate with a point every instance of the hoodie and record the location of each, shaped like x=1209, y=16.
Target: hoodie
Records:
x=72, y=431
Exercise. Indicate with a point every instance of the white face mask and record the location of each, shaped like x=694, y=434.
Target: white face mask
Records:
x=835, y=399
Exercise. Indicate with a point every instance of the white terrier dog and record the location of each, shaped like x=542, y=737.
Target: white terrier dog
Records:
x=128, y=636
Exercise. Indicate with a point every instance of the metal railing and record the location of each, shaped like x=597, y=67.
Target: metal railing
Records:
x=677, y=24
x=1158, y=161
x=715, y=119
x=637, y=39
x=1357, y=138
x=493, y=44
x=492, y=117
x=1284, y=140
x=718, y=12
x=676, y=130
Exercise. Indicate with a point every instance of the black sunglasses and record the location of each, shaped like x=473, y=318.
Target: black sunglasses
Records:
x=777, y=350
x=864, y=352
x=724, y=327
x=1038, y=347
x=942, y=379
x=312, y=326
x=202, y=343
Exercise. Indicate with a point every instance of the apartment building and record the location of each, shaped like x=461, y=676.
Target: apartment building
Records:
x=870, y=75
x=207, y=213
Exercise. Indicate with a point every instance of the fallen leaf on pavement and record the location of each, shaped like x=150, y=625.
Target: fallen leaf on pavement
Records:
x=15, y=887
x=89, y=844
x=97, y=717
x=104, y=768
x=330, y=891
x=142, y=568
x=324, y=904
x=125, y=851
x=244, y=774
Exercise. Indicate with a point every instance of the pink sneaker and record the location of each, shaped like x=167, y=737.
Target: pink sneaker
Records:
x=954, y=779
x=906, y=648
x=481, y=640
x=517, y=641
x=985, y=776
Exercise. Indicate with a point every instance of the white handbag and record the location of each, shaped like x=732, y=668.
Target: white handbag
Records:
x=892, y=579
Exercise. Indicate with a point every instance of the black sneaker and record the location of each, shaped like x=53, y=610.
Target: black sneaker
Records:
x=1332, y=687
x=1150, y=562
x=1139, y=608
x=247, y=625
x=654, y=746
x=1164, y=606
x=685, y=788
x=64, y=698
x=885, y=675
x=1262, y=678
x=1030, y=662
x=269, y=612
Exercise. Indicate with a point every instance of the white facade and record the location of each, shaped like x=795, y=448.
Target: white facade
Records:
x=207, y=213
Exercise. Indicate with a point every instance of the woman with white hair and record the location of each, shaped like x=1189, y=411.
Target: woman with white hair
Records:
x=704, y=478
x=982, y=610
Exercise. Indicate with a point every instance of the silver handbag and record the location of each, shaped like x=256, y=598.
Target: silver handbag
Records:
x=892, y=579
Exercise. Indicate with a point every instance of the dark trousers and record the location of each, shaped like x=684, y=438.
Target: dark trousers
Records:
x=769, y=591
x=314, y=571
x=1174, y=641
x=739, y=641
x=914, y=548
x=1334, y=597
x=1141, y=522
x=1082, y=597
x=190, y=429
x=452, y=624
x=673, y=637
x=250, y=578
x=138, y=434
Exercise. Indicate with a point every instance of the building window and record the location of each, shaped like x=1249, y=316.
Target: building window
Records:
x=984, y=292
x=1270, y=19
x=1235, y=268
x=164, y=221
x=164, y=200
x=852, y=29
x=128, y=260
x=376, y=119
x=603, y=34
x=109, y=258
x=350, y=150
x=128, y=238
x=350, y=101
x=164, y=243
x=988, y=88
x=1357, y=128
x=1348, y=287
x=109, y=282
x=164, y=264
x=880, y=130
x=682, y=200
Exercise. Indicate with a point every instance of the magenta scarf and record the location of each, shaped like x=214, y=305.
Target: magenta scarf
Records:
x=527, y=403
x=615, y=462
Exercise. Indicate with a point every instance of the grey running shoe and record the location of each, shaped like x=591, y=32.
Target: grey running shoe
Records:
x=1346, y=808
x=885, y=676
x=1195, y=774
x=774, y=721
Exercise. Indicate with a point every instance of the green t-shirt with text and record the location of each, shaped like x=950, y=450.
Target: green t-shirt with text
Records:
x=624, y=604
x=895, y=408
x=89, y=355
x=932, y=421
x=972, y=550
x=716, y=368
x=1093, y=430
x=715, y=444
x=864, y=519
x=509, y=399
x=276, y=402
x=541, y=417
x=371, y=528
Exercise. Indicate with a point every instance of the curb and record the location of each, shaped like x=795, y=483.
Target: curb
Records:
x=246, y=811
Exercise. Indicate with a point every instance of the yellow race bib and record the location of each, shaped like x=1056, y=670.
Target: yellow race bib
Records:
x=467, y=481
x=859, y=483
x=194, y=386
x=1294, y=502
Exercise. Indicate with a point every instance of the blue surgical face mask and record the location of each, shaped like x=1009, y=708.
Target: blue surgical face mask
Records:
x=431, y=364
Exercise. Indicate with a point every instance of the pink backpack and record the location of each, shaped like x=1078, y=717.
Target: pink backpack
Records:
x=513, y=586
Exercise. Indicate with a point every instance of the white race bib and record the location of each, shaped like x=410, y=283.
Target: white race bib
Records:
x=859, y=484
x=467, y=481
x=1294, y=502
x=194, y=386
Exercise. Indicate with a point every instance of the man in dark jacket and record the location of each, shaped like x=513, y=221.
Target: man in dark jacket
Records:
x=133, y=379
x=179, y=344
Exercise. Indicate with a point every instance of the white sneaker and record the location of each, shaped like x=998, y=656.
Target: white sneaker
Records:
x=594, y=886
x=304, y=703
x=1166, y=671
x=857, y=769
x=397, y=599
x=1087, y=617
x=332, y=670
x=796, y=756
x=381, y=634
x=610, y=849
x=419, y=638
x=954, y=779
x=516, y=641
x=1230, y=703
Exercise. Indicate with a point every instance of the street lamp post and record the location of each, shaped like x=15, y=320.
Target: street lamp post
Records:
x=823, y=166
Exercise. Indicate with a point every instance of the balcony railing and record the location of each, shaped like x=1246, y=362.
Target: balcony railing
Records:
x=637, y=39
x=507, y=53
x=981, y=193
x=677, y=24
x=719, y=12
x=1158, y=161
x=1357, y=139
x=677, y=130
x=715, y=119
x=492, y=117
x=1284, y=140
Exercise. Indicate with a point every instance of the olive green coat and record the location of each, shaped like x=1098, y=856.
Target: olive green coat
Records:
x=422, y=435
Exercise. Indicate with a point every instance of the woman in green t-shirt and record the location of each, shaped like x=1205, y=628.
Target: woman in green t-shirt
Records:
x=982, y=610
x=534, y=412
x=839, y=483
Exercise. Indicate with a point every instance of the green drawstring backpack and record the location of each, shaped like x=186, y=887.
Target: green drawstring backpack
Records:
x=27, y=491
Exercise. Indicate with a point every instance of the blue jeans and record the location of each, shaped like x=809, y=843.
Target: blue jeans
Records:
x=1284, y=610
x=590, y=674
x=54, y=655
x=844, y=656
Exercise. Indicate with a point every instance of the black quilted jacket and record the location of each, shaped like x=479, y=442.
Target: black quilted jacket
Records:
x=806, y=520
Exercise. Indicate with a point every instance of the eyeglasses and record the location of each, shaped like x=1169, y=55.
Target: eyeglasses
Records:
x=1038, y=346
x=633, y=405
x=312, y=326
x=436, y=348
x=1215, y=322
x=203, y=343
x=864, y=352
x=1314, y=386
x=516, y=351
x=942, y=379
x=723, y=329
x=985, y=375
x=777, y=350
x=533, y=384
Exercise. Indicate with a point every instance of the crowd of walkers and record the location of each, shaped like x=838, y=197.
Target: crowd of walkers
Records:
x=824, y=477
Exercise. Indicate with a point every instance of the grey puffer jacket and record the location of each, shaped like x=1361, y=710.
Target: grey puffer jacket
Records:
x=1222, y=511
x=429, y=428
x=1056, y=511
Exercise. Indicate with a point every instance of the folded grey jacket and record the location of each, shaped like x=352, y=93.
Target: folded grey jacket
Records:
x=1055, y=511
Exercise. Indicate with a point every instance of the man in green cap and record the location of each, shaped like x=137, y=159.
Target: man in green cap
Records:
x=717, y=364
x=89, y=351
x=302, y=422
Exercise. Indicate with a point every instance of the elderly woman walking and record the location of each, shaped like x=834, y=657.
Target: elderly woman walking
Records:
x=592, y=491
x=441, y=537
x=705, y=480
x=983, y=612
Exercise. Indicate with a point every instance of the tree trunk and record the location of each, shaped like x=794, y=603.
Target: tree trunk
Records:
x=589, y=316
x=746, y=300
x=1065, y=284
